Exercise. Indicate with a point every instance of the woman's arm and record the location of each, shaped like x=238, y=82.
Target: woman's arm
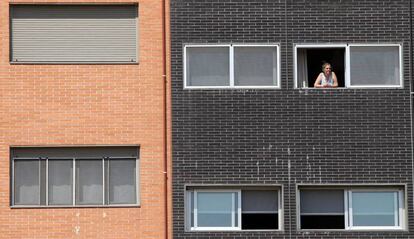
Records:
x=318, y=80
x=335, y=80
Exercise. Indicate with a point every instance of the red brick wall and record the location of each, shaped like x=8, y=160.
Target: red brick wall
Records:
x=51, y=105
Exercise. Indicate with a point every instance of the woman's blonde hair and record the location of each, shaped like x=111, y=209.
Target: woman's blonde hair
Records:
x=326, y=64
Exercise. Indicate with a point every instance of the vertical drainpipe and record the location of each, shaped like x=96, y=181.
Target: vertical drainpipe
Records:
x=165, y=114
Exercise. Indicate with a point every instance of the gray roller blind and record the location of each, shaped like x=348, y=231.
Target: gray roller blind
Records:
x=260, y=201
x=89, y=182
x=60, y=182
x=208, y=66
x=27, y=182
x=375, y=65
x=255, y=66
x=74, y=33
x=322, y=201
x=122, y=177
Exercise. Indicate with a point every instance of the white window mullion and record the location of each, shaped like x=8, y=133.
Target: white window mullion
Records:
x=400, y=209
x=231, y=65
x=346, y=210
x=239, y=209
x=347, y=67
x=350, y=211
x=195, y=210
x=396, y=210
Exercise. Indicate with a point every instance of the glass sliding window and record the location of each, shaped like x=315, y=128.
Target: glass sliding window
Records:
x=60, y=181
x=355, y=65
x=260, y=209
x=322, y=209
x=122, y=178
x=216, y=209
x=351, y=209
x=231, y=66
x=374, y=209
x=207, y=66
x=26, y=182
x=248, y=209
x=89, y=182
x=255, y=66
x=74, y=176
x=374, y=66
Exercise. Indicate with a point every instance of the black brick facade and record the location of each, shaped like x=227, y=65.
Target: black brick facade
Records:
x=290, y=136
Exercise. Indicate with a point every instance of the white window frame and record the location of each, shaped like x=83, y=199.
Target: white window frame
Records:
x=398, y=210
x=73, y=160
x=234, y=210
x=347, y=63
x=188, y=210
x=231, y=66
x=348, y=214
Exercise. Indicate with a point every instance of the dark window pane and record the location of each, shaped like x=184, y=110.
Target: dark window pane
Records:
x=208, y=66
x=89, y=182
x=255, y=66
x=60, y=182
x=122, y=174
x=322, y=222
x=26, y=182
x=321, y=201
x=259, y=221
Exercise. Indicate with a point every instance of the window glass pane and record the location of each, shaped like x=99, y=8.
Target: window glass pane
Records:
x=89, y=182
x=60, y=182
x=207, y=66
x=122, y=181
x=259, y=201
x=215, y=209
x=374, y=65
x=255, y=66
x=26, y=182
x=321, y=201
x=374, y=208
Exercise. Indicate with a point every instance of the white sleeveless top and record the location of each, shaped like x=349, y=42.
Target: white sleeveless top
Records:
x=327, y=81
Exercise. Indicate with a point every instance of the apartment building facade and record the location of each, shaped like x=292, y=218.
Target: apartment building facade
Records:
x=258, y=152
x=84, y=130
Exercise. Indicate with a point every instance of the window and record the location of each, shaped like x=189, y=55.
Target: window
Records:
x=231, y=66
x=211, y=209
x=73, y=33
x=355, y=65
x=74, y=176
x=351, y=209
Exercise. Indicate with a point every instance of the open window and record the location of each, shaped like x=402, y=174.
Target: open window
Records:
x=215, y=209
x=356, y=208
x=355, y=65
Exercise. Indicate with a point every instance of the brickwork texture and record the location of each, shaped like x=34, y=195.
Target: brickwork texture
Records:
x=290, y=136
x=89, y=104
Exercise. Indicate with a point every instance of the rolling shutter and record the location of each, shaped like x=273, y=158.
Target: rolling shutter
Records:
x=74, y=33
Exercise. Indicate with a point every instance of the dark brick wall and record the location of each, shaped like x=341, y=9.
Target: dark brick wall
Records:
x=243, y=137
